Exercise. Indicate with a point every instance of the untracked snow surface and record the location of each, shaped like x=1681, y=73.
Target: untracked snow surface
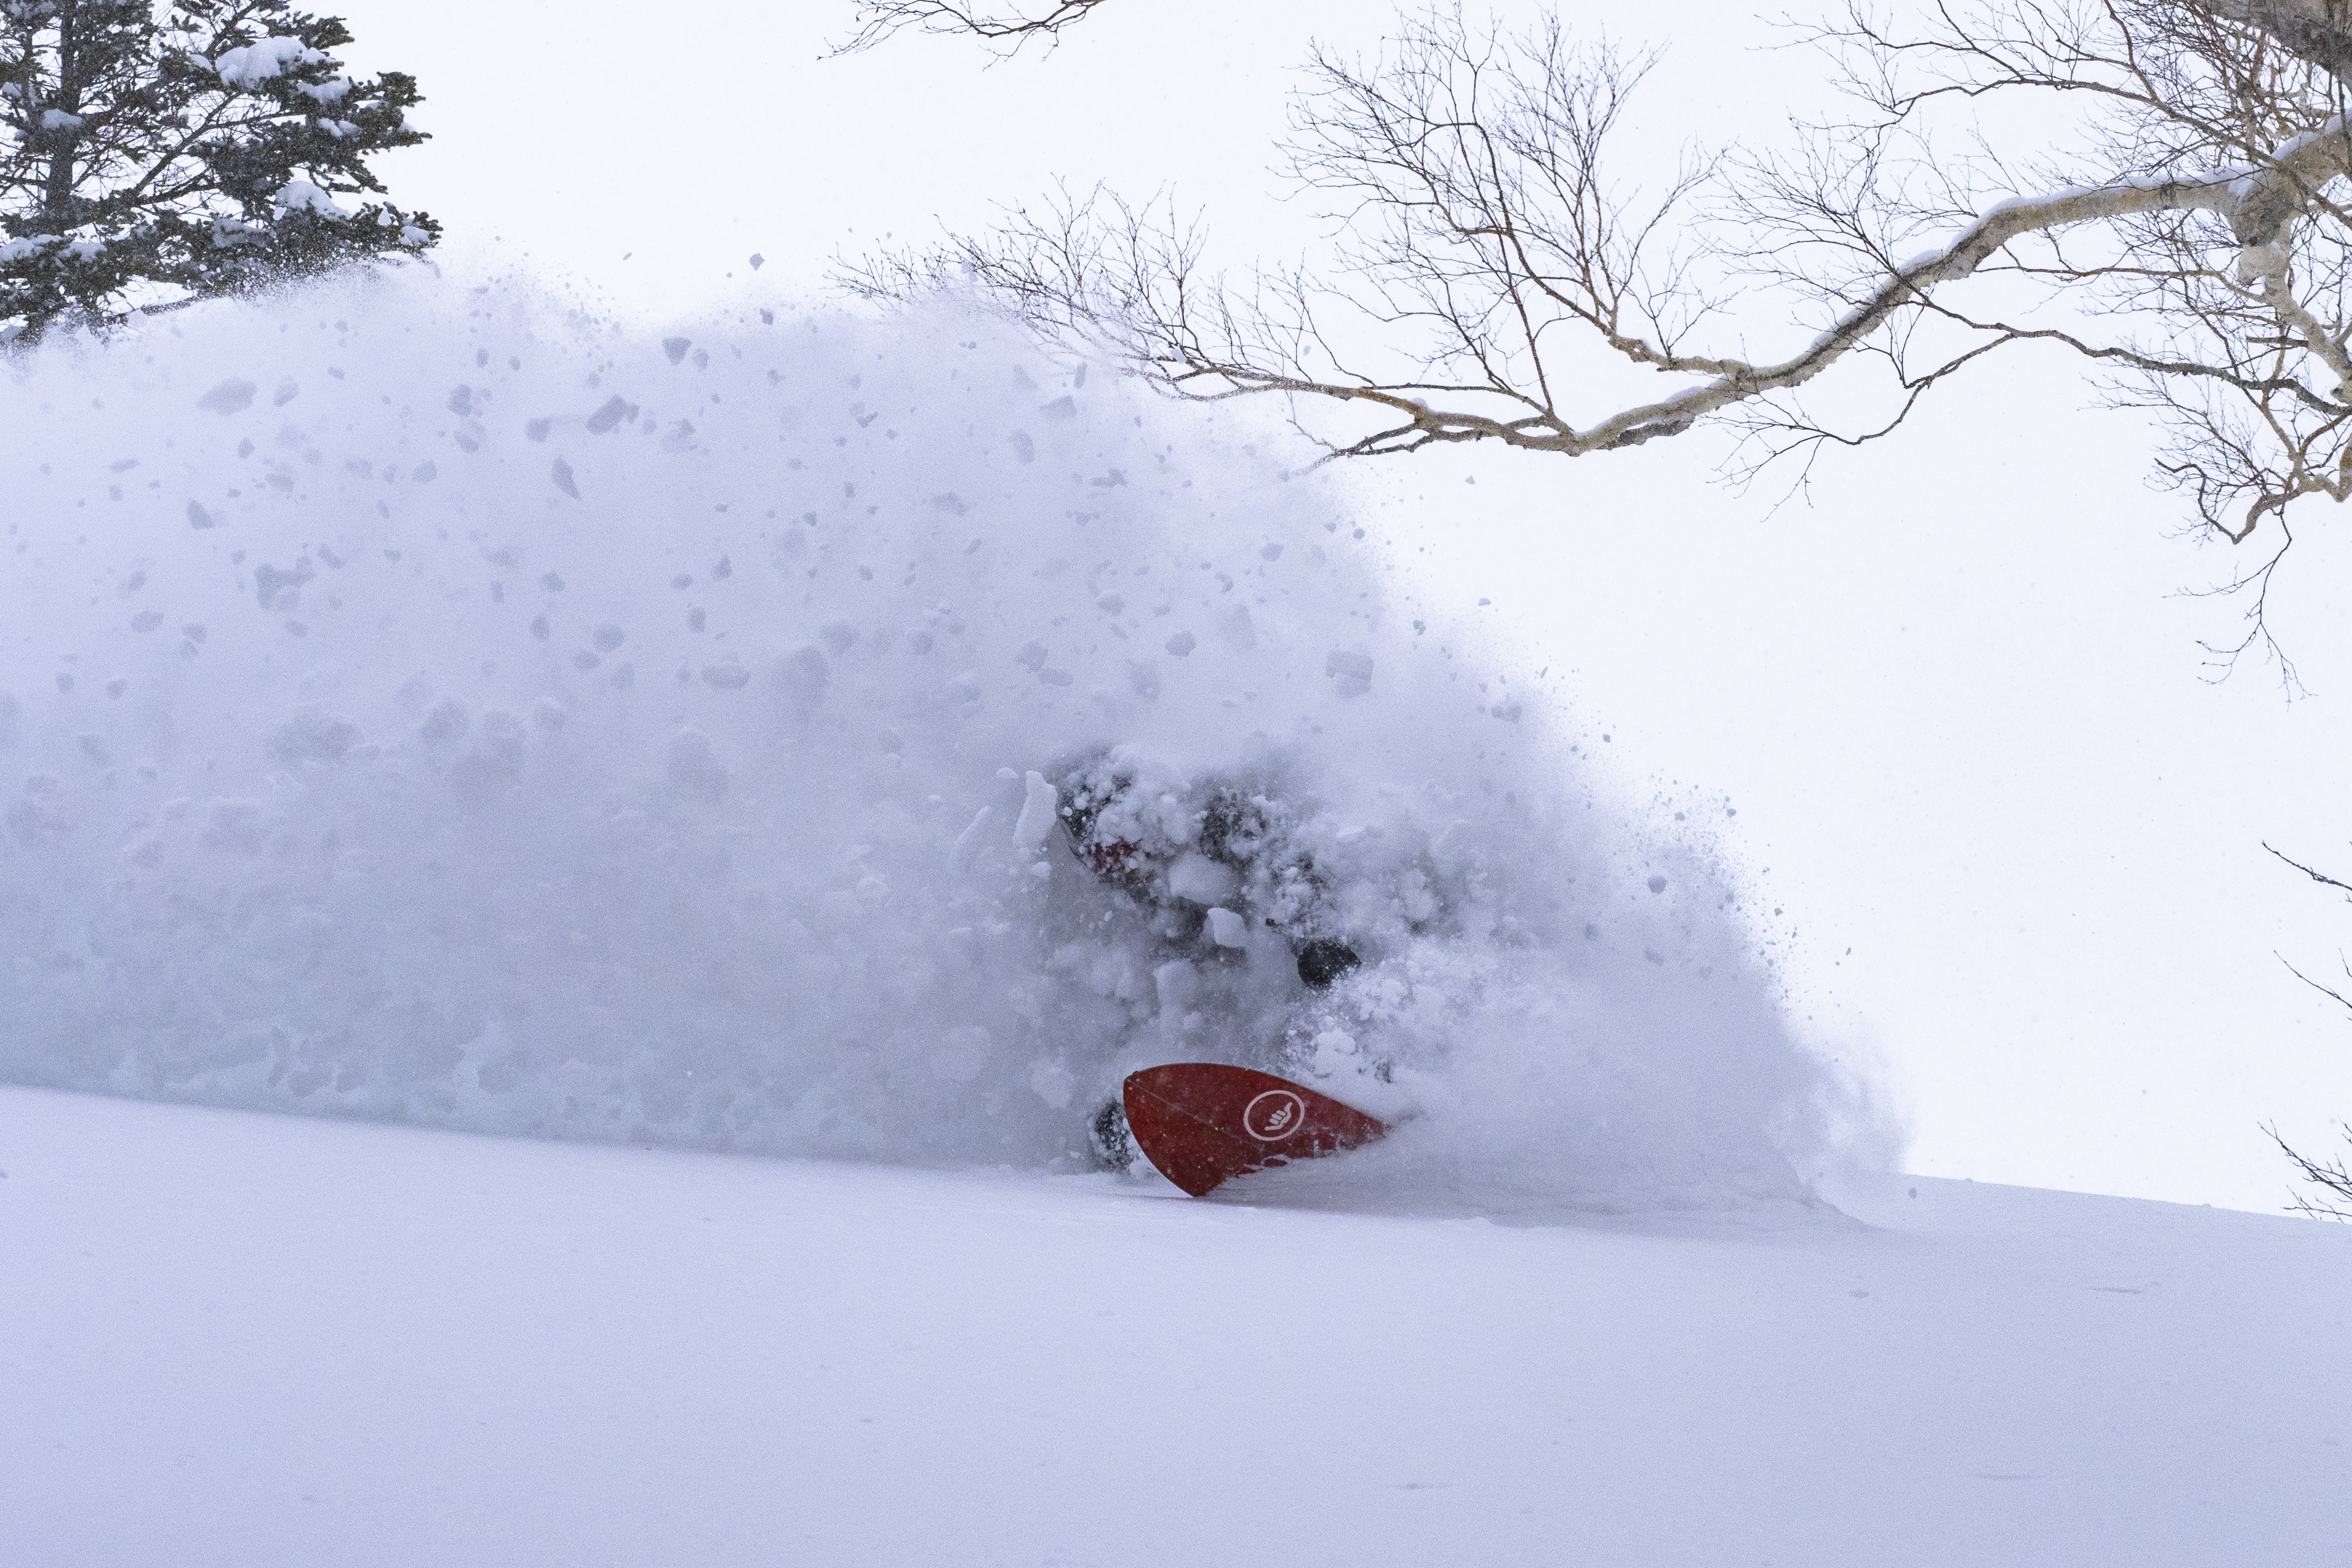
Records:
x=230, y=1340
x=422, y=704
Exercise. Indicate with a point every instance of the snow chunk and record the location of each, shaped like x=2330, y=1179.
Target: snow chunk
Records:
x=1177, y=986
x=1201, y=880
x=314, y=735
x=1050, y=1078
x=959, y=854
x=694, y=768
x=1037, y=807
x=230, y=396
x=1353, y=671
x=806, y=674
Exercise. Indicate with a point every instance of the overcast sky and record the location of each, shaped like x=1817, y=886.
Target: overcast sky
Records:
x=1954, y=693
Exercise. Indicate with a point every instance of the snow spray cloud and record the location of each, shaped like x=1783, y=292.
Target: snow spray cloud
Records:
x=419, y=703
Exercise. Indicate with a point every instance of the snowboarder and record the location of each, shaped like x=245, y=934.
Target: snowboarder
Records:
x=1237, y=923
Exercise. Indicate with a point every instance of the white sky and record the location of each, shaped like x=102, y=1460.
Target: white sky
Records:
x=1955, y=698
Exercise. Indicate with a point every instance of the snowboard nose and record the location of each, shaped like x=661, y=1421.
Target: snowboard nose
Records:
x=1203, y=1123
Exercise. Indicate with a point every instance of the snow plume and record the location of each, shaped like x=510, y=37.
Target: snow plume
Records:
x=422, y=704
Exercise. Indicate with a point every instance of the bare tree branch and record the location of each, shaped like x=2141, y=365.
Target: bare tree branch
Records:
x=2332, y=1177
x=2324, y=990
x=2320, y=877
x=1489, y=276
x=1007, y=31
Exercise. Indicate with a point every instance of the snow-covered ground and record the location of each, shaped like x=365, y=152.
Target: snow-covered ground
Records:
x=240, y=1340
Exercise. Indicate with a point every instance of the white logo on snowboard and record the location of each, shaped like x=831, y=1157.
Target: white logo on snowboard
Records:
x=1273, y=1116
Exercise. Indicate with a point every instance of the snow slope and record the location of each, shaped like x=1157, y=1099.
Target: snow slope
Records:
x=245, y=1340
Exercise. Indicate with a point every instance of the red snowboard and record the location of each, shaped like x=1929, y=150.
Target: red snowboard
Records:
x=1203, y=1123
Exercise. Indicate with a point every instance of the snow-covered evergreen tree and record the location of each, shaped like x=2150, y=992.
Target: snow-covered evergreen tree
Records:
x=154, y=151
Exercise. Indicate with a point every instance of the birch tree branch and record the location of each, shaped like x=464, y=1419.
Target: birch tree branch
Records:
x=1490, y=278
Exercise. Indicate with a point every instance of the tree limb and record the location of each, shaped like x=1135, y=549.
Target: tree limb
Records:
x=2332, y=1177
x=1488, y=279
x=2320, y=877
x=879, y=19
